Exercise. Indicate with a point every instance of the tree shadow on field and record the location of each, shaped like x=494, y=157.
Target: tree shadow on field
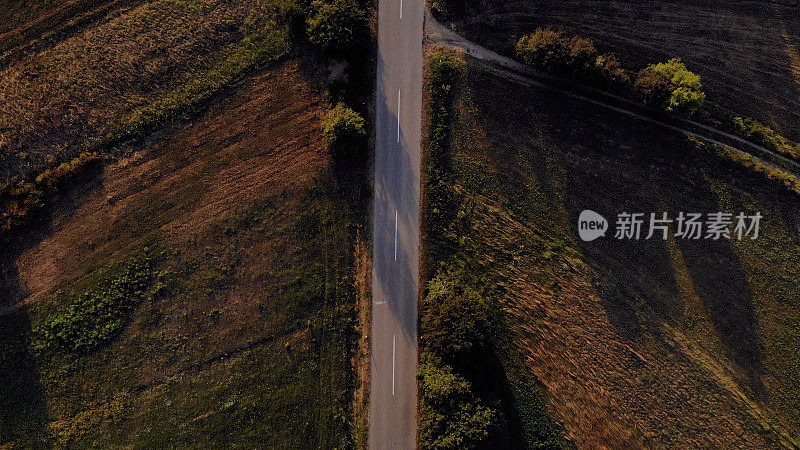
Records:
x=23, y=409
x=722, y=286
x=23, y=406
x=721, y=283
x=601, y=161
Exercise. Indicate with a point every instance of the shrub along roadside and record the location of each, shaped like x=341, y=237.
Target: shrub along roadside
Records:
x=344, y=129
x=669, y=86
x=451, y=417
x=576, y=57
x=466, y=365
x=785, y=179
x=337, y=26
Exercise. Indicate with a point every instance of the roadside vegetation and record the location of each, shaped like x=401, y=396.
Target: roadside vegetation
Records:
x=747, y=71
x=785, y=179
x=667, y=86
x=766, y=136
x=472, y=397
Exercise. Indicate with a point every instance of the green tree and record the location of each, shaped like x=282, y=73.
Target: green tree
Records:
x=344, y=129
x=686, y=94
x=450, y=415
x=336, y=26
x=455, y=320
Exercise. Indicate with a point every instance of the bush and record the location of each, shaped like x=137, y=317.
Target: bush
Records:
x=20, y=202
x=99, y=314
x=545, y=49
x=685, y=92
x=576, y=57
x=344, y=129
x=455, y=321
x=450, y=415
x=336, y=26
x=766, y=136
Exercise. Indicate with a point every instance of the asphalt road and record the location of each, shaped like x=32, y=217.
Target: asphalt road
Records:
x=395, y=263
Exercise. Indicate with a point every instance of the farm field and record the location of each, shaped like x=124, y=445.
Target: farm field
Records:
x=746, y=52
x=242, y=336
x=181, y=257
x=118, y=74
x=645, y=343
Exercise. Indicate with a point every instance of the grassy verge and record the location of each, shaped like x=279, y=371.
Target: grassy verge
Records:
x=473, y=388
x=744, y=160
x=766, y=137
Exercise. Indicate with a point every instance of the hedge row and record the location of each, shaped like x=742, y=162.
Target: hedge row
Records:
x=669, y=86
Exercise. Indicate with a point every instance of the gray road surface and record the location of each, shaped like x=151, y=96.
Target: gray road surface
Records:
x=395, y=275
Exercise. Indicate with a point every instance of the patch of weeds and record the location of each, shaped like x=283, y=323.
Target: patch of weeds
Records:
x=100, y=313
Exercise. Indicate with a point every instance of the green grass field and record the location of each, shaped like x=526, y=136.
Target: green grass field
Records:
x=217, y=269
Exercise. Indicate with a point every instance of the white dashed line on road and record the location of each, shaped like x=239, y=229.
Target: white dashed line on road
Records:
x=394, y=350
x=398, y=115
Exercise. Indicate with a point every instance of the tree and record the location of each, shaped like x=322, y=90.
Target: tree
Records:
x=336, y=26
x=455, y=321
x=653, y=88
x=611, y=72
x=450, y=415
x=582, y=55
x=545, y=49
x=686, y=95
x=344, y=129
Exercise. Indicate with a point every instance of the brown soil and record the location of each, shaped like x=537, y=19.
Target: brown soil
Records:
x=183, y=184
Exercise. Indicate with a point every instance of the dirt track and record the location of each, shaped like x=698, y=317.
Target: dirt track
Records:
x=437, y=33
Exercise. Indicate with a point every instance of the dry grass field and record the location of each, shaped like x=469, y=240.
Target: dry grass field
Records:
x=650, y=343
x=123, y=71
x=244, y=339
x=745, y=51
